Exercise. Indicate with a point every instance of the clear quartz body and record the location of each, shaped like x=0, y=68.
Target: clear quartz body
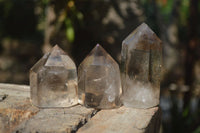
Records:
x=141, y=68
x=99, y=80
x=53, y=80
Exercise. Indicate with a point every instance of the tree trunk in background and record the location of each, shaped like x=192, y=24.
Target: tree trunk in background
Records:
x=172, y=50
x=191, y=48
x=49, y=26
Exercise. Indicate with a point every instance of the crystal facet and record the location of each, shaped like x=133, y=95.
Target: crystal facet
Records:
x=53, y=80
x=99, y=80
x=141, y=68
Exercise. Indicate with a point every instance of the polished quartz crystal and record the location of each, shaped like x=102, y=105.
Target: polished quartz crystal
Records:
x=141, y=68
x=99, y=80
x=53, y=80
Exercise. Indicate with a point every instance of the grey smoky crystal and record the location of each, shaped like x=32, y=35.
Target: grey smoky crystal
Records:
x=141, y=68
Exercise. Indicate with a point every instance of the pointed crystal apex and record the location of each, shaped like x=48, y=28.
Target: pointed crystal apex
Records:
x=55, y=57
x=56, y=47
x=99, y=80
x=144, y=27
x=143, y=38
x=57, y=50
x=53, y=80
x=141, y=67
x=98, y=50
x=98, y=56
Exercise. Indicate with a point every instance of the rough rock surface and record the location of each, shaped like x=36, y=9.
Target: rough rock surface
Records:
x=17, y=115
x=124, y=120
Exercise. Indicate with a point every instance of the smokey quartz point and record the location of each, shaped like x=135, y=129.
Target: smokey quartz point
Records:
x=53, y=80
x=141, y=68
x=99, y=80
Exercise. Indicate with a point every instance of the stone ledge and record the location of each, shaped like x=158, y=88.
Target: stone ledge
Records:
x=124, y=120
x=17, y=115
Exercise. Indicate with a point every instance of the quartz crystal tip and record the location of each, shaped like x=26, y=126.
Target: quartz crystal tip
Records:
x=56, y=49
x=53, y=80
x=99, y=80
x=98, y=50
x=145, y=38
x=141, y=56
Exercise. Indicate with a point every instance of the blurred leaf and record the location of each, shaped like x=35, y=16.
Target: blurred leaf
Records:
x=166, y=9
x=143, y=1
x=62, y=16
x=186, y=112
x=197, y=130
x=184, y=12
x=70, y=33
x=79, y=16
x=199, y=6
x=7, y=7
x=45, y=2
x=70, y=4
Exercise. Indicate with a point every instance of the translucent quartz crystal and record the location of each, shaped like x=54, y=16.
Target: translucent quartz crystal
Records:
x=53, y=80
x=141, y=68
x=99, y=80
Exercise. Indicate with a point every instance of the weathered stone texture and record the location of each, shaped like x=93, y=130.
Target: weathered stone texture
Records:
x=124, y=120
x=17, y=115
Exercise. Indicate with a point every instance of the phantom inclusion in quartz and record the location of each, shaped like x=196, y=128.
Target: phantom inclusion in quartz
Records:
x=141, y=68
x=99, y=80
x=53, y=80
